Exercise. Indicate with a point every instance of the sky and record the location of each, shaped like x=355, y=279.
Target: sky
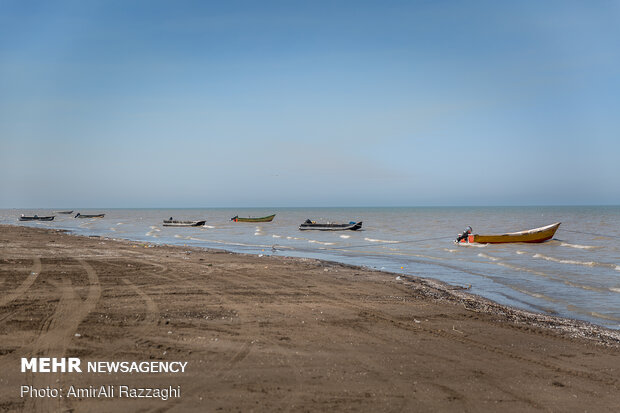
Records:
x=339, y=103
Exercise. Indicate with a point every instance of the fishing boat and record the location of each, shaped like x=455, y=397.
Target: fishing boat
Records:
x=63, y=212
x=330, y=226
x=176, y=223
x=268, y=218
x=35, y=218
x=89, y=215
x=535, y=235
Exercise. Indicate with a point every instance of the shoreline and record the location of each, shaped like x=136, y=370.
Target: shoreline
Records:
x=435, y=288
x=281, y=333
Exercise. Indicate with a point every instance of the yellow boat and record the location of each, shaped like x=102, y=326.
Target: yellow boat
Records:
x=541, y=234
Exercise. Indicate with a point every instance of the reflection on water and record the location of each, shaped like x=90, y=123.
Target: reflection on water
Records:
x=574, y=275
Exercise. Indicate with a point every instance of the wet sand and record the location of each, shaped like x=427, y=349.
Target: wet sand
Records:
x=280, y=334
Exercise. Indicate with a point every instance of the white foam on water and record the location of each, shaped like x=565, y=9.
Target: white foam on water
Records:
x=617, y=268
x=574, y=262
x=289, y=237
x=345, y=236
x=155, y=228
x=178, y=236
x=119, y=223
x=257, y=233
x=583, y=247
x=615, y=290
x=483, y=255
x=467, y=244
x=449, y=250
x=276, y=236
x=379, y=240
x=320, y=242
x=521, y=252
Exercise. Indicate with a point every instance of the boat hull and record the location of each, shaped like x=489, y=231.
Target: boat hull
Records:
x=184, y=223
x=331, y=227
x=262, y=219
x=89, y=216
x=535, y=235
x=36, y=218
x=63, y=212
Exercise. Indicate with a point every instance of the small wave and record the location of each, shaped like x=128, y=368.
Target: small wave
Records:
x=583, y=247
x=235, y=243
x=207, y=226
x=617, y=268
x=112, y=229
x=155, y=228
x=585, y=263
x=535, y=295
x=521, y=252
x=467, y=244
x=615, y=290
x=119, y=223
x=522, y=269
x=345, y=236
x=483, y=255
x=178, y=236
x=319, y=242
x=604, y=316
x=449, y=250
x=276, y=236
x=379, y=240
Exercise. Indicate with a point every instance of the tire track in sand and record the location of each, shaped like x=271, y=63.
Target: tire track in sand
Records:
x=241, y=350
x=151, y=315
x=21, y=289
x=57, y=333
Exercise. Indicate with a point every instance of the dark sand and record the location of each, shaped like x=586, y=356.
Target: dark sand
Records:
x=276, y=334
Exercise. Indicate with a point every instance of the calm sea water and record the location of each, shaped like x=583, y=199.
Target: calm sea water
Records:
x=574, y=275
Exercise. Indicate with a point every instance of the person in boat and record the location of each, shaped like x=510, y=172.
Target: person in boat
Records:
x=171, y=219
x=464, y=235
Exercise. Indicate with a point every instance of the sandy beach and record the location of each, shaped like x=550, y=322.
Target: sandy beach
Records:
x=280, y=334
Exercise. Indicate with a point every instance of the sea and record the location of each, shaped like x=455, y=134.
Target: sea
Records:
x=574, y=275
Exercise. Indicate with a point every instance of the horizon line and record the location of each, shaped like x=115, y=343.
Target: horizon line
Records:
x=330, y=206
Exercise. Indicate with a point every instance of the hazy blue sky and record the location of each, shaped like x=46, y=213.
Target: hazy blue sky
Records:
x=258, y=103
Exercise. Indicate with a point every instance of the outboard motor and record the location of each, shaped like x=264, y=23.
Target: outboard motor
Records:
x=464, y=235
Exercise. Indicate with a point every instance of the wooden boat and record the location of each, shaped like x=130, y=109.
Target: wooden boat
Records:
x=63, y=212
x=89, y=215
x=535, y=235
x=175, y=223
x=268, y=218
x=35, y=218
x=311, y=225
